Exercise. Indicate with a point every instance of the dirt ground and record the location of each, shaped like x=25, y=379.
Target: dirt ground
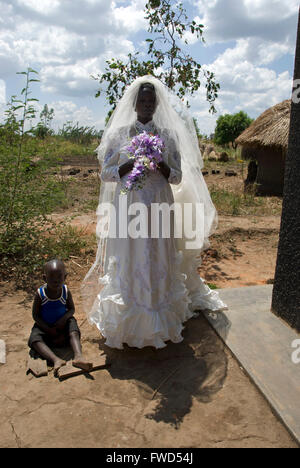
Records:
x=188, y=395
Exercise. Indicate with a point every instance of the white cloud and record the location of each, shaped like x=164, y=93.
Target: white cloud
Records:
x=68, y=111
x=256, y=51
x=45, y=7
x=81, y=16
x=9, y=61
x=69, y=80
x=248, y=80
x=239, y=74
x=69, y=40
x=75, y=79
x=66, y=41
x=3, y=100
x=47, y=45
x=256, y=9
x=117, y=47
x=131, y=17
x=226, y=20
x=2, y=96
x=245, y=85
x=7, y=16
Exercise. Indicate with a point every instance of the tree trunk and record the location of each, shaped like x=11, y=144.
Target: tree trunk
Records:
x=286, y=291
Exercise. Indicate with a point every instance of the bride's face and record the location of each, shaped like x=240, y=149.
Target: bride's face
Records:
x=145, y=105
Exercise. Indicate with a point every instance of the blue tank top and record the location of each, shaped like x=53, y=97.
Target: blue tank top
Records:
x=53, y=309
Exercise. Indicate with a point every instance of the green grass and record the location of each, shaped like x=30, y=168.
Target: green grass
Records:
x=228, y=194
x=23, y=261
x=61, y=147
x=244, y=204
x=232, y=203
x=212, y=285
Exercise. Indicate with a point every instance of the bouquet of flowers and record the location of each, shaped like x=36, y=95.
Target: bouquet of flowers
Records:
x=146, y=150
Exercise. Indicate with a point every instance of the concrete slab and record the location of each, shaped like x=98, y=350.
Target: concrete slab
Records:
x=265, y=346
x=38, y=367
x=2, y=352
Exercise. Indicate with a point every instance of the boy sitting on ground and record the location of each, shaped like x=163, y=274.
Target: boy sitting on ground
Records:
x=53, y=312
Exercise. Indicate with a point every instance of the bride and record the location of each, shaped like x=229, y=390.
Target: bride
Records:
x=143, y=287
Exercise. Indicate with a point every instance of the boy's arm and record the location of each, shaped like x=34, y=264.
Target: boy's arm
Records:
x=70, y=312
x=36, y=315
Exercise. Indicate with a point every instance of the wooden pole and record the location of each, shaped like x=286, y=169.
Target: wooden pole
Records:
x=286, y=290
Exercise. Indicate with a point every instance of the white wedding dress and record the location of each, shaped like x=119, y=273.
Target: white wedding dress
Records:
x=144, y=300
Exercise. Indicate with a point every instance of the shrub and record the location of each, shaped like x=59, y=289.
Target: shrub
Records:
x=27, y=193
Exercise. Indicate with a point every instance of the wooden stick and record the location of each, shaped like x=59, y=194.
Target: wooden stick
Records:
x=70, y=371
x=164, y=381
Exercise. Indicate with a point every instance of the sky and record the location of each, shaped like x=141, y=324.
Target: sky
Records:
x=249, y=45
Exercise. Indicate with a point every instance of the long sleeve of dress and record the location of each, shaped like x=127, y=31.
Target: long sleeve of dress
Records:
x=174, y=162
x=110, y=166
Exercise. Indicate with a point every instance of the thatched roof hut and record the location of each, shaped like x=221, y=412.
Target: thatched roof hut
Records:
x=271, y=128
x=266, y=141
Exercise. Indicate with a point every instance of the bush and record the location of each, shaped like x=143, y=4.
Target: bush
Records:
x=27, y=194
x=25, y=249
x=229, y=127
x=80, y=135
x=41, y=131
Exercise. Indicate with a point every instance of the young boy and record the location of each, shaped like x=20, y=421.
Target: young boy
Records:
x=53, y=310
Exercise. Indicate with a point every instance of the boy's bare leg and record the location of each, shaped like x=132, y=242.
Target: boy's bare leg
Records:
x=45, y=352
x=79, y=360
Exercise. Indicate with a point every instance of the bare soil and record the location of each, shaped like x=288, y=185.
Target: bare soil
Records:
x=193, y=394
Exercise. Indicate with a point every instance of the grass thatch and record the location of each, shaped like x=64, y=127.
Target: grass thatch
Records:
x=271, y=128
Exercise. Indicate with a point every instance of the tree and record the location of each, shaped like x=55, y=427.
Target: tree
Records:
x=46, y=116
x=197, y=128
x=168, y=25
x=230, y=126
x=43, y=128
x=27, y=191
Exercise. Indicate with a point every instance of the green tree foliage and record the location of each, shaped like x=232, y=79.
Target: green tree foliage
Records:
x=43, y=128
x=79, y=134
x=47, y=115
x=197, y=128
x=230, y=126
x=168, y=24
x=27, y=193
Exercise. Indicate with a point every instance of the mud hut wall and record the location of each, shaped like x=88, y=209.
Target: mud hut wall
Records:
x=270, y=172
x=248, y=152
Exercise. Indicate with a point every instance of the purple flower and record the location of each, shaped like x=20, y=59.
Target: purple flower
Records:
x=146, y=149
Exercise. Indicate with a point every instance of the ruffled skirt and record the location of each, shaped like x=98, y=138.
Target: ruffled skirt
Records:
x=145, y=297
x=139, y=325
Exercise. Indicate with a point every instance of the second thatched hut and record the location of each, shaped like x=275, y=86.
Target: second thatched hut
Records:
x=265, y=142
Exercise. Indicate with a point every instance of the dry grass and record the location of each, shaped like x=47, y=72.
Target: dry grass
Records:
x=228, y=194
x=271, y=128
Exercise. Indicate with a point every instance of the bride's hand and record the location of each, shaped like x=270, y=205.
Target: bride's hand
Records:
x=164, y=169
x=126, y=167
